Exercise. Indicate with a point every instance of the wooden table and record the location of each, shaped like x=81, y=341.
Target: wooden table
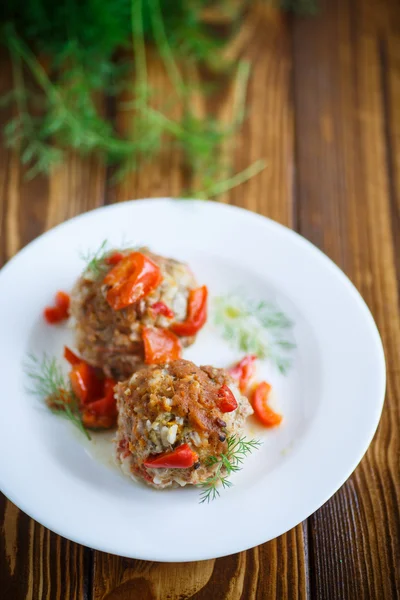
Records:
x=324, y=104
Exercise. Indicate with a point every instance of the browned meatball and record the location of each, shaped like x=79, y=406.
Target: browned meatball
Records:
x=111, y=339
x=162, y=407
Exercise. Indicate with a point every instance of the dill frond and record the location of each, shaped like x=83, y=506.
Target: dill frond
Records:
x=49, y=384
x=95, y=265
x=226, y=464
x=255, y=327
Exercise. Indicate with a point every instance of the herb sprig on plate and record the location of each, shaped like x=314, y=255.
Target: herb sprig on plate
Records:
x=95, y=259
x=95, y=265
x=226, y=464
x=255, y=327
x=49, y=384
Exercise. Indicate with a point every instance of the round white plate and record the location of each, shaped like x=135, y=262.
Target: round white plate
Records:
x=331, y=399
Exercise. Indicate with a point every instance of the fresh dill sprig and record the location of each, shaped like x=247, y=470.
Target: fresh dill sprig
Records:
x=225, y=464
x=255, y=327
x=49, y=384
x=95, y=265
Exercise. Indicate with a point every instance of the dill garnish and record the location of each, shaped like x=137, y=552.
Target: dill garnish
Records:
x=226, y=464
x=49, y=384
x=255, y=327
x=95, y=259
x=95, y=264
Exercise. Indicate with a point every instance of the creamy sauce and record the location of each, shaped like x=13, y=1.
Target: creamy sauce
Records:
x=101, y=448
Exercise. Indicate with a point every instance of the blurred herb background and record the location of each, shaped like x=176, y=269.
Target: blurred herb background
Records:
x=71, y=59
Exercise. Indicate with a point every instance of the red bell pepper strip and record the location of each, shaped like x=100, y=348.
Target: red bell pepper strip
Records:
x=62, y=301
x=59, y=312
x=159, y=308
x=71, y=357
x=196, y=313
x=85, y=383
x=182, y=457
x=226, y=400
x=107, y=404
x=133, y=278
x=262, y=410
x=102, y=412
x=243, y=371
x=160, y=345
x=114, y=258
x=53, y=315
x=95, y=393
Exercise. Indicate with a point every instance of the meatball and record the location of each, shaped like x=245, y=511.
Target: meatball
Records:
x=112, y=339
x=163, y=407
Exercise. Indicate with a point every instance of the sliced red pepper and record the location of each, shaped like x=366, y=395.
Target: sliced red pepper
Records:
x=85, y=383
x=53, y=315
x=262, y=410
x=106, y=405
x=196, y=313
x=114, y=258
x=59, y=312
x=226, y=400
x=102, y=412
x=159, y=308
x=133, y=278
x=63, y=301
x=71, y=357
x=243, y=371
x=160, y=345
x=182, y=457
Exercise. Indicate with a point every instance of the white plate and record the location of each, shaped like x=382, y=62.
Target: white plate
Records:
x=331, y=399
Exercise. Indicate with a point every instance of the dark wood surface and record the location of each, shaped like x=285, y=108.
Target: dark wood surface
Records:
x=324, y=110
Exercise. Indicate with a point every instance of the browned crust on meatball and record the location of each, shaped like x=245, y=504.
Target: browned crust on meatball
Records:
x=110, y=339
x=164, y=406
x=193, y=395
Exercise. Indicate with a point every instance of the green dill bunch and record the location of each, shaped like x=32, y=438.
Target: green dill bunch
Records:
x=67, y=59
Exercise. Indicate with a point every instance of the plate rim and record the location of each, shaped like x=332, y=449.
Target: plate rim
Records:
x=381, y=373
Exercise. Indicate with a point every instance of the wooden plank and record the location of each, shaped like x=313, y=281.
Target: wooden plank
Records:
x=390, y=76
x=277, y=569
x=345, y=207
x=35, y=563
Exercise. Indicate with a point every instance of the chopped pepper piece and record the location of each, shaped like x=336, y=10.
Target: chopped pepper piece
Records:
x=226, y=400
x=114, y=258
x=85, y=383
x=262, y=410
x=243, y=371
x=196, y=313
x=160, y=345
x=71, y=357
x=159, y=308
x=132, y=278
x=59, y=312
x=182, y=457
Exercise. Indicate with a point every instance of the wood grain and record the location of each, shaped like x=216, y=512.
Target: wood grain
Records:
x=346, y=207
